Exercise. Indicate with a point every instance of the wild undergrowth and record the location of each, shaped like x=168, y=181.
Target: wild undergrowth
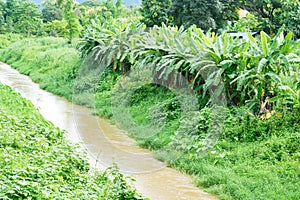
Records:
x=38, y=162
x=256, y=157
x=7, y=39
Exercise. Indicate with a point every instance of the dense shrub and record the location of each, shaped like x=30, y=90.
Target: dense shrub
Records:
x=38, y=162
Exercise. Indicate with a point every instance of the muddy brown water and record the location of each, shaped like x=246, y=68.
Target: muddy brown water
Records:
x=105, y=143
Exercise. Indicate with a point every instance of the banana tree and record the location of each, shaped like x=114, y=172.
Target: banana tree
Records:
x=267, y=59
x=109, y=44
x=289, y=91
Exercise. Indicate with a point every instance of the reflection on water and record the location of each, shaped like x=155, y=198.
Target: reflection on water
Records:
x=106, y=143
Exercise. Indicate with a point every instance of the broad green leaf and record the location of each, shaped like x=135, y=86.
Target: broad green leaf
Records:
x=264, y=43
x=274, y=77
x=225, y=63
x=261, y=65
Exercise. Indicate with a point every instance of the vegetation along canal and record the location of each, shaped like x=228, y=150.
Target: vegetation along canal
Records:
x=105, y=143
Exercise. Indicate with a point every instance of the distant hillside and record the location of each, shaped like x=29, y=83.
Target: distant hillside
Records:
x=126, y=2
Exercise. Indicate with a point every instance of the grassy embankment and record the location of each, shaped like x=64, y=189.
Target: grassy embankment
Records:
x=254, y=159
x=38, y=162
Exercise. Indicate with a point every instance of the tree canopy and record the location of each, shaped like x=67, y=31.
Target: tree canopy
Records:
x=2, y=19
x=206, y=14
x=215, y=14
x=23, y=16
x=71, y=16
x=155, y=12
x=275, y=13
x=51, y=12
x=20, y=16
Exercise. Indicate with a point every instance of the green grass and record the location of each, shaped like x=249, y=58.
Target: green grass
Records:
x=9, y=38
x=253, y=159
x=38, y=162
x=258, y=170
x=51, y=62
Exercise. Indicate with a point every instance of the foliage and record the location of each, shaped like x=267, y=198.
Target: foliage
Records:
x=250, y=69
x=270, y=58
x=246, y=24
x=38, y=162
x=252, y=170
x=114, y=8
x=290, y=16
x=2, y=18
x=29, y=18
x=103, y=98
x=71, y=17
x=275, y=13
x=22, y=17
x=105, y=12
x=289, y=93
x=56, y=28
x=97, y=13
x=266, y=11
x=205, y=14
x=109, y=44
x=51, y=12
x=155, y=12
x=91, y=3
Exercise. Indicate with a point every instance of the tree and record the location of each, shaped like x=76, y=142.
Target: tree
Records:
x=71, y=16
x=29, y=17
x=266, y=10
x=57, y=28
x=91, y=3
x=2, y=20
x=22, y=16
x=8, y=14
x=155, y=12
x=95, y=13
x=51, y=12
x=206, y=14
x=114, y=8
x=290, y=16
x=247, y=23
x=275, y=13
x=10, y=7
x=102, y=12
